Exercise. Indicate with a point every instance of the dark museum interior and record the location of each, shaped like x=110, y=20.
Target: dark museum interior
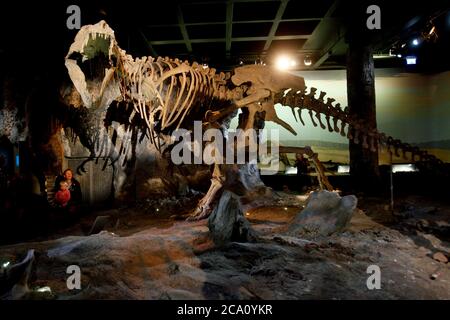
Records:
x=224, y=150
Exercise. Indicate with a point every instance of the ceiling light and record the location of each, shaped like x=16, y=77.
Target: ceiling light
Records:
x=411, y=60
x=430, y=35
x=307, y=61
x=415, y=42
x=432, y=31
x=283, y=62
x=399, y=55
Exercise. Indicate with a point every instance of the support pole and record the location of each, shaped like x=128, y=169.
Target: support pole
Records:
x=364, y=169
x=391, y=180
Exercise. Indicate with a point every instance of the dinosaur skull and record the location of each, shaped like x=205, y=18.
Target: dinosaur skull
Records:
x=91, y=63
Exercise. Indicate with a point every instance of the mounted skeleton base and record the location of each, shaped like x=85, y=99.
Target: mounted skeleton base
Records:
x=169, y=94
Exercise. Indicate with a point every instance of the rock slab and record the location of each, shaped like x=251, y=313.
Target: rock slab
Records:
x=227, y=222
x=325, y=213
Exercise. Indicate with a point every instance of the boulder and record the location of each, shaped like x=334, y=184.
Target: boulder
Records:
x=227, y=222
x=325, y=213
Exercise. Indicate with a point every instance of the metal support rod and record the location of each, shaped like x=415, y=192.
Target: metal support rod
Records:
x=391, y=180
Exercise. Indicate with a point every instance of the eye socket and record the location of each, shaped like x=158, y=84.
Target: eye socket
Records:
x=78, y=57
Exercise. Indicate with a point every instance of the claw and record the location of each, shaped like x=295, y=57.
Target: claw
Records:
x=199, y=213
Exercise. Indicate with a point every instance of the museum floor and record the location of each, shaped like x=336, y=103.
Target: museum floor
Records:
x=144, y=254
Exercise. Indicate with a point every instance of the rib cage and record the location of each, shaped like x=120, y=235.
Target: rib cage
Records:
x=349, y=126
x=164, y=91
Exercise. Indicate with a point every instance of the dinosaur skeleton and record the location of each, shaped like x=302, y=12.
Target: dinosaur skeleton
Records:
x=169, y=94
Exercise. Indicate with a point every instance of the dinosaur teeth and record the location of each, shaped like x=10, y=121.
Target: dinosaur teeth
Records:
x=286, y=92
x=85, y=44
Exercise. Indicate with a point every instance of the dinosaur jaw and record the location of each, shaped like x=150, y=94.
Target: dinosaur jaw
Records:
x=91, y=63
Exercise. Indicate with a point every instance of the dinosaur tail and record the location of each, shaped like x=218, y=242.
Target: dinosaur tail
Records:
x=341, y=121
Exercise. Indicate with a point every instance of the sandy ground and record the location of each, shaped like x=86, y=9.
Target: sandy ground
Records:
x=151, y=256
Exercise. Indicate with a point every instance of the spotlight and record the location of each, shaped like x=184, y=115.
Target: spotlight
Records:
x=430, y=35
x=283, y=63
x=399, y=55
x=415, y=42
x=411, y=60
x=433, y=29
x=259, y=61
x=307, y=61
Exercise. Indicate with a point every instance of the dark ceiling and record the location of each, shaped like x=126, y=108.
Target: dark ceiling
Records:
x=224, y=33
